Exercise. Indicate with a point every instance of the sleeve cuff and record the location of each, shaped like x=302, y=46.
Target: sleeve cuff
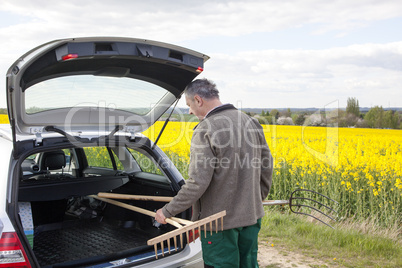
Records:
x=166, y=212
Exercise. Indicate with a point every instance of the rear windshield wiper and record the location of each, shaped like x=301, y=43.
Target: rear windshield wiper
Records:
x=76, y=138
x=65, y=134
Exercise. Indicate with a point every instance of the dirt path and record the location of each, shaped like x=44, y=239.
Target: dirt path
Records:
x=274, y=257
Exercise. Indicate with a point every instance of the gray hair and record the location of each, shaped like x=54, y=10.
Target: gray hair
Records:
x=204, y=88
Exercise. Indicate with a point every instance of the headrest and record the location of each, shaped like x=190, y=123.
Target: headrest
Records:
x=53, y=160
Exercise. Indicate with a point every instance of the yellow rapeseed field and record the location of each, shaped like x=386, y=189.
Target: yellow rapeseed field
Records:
x=3, y=119
x=361, y=168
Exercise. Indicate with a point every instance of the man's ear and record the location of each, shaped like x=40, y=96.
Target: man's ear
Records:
x=198, y=100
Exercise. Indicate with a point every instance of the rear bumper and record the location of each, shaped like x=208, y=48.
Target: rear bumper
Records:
x=190, y=256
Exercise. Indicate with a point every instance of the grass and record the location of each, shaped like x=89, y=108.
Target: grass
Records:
x=345, y=246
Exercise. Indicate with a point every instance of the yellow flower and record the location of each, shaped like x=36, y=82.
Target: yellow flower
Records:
x=375, y=192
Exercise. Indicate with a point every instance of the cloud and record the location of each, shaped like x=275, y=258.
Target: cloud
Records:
x=177, y=21
x=311, y=78
x=181, y=20
x=262, y=78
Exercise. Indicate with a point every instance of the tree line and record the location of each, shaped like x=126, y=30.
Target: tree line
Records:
x=376, y=117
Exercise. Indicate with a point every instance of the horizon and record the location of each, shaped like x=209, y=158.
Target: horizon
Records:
x=285, y=108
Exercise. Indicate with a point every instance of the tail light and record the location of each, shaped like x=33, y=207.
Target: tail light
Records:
x=69, y=56
x=11, y=252
x=192, y=236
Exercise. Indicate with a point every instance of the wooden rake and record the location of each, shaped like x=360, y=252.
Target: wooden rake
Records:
x=183, y=226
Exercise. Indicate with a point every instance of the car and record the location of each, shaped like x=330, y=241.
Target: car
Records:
x=77, y=108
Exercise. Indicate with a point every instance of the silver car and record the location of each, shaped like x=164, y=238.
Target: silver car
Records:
x=77, y=108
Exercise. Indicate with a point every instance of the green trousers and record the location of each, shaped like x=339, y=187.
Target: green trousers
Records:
x=231, y=248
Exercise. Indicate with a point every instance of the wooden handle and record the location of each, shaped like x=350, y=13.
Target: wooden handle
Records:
x=173, y=221
x=124, y=205
x=136, y=197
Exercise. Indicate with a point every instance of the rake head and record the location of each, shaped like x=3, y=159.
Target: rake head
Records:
x=188, y=228
x=298, y=201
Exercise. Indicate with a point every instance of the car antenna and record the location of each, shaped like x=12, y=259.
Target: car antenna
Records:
x=164, y=125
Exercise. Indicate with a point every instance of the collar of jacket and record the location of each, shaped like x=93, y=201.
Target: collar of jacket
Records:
x=218, y=110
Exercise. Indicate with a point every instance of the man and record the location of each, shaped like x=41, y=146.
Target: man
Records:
x=230, y=169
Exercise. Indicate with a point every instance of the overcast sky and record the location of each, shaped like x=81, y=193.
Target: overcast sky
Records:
x=267, y=54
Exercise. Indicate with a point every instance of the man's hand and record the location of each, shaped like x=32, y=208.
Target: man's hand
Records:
x=159, y=217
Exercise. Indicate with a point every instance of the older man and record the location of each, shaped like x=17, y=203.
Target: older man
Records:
x=230, y=169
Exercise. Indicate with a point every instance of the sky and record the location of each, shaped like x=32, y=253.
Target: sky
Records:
x=264, y=54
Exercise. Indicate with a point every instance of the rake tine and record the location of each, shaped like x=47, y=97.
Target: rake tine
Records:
x=163, y=250
x=205, y=230
x=175, y=243
x=181, y=240
x=305, y=198
x=307, y=190
x=319, y=211
x=210, y=227
x=222, y=224
x=313, y=217
x=216, y=225
x=193, y=235
x=156, y=251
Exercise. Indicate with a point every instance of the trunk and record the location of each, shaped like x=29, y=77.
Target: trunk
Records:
x=80, y=230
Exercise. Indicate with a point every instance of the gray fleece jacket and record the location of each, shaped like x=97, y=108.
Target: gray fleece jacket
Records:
x=230, y=169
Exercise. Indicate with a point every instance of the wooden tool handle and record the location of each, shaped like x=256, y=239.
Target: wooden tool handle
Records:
x=136, y=197
x=173, y=221
x=169, y=198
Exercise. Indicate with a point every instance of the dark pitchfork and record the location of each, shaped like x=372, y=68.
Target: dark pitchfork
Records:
x=295, y=201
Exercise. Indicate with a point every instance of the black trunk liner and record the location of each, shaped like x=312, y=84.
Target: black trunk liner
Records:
x=85, y=241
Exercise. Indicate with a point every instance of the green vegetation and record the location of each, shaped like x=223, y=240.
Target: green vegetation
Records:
x=376, y=117
x=353, y=107
x=347, y=245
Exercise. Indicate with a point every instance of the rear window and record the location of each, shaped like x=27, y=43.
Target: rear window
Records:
x=145, y=162
x=121, y=93
x=101, y=157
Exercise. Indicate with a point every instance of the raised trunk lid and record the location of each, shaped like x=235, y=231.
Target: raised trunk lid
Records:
x=92, y=85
